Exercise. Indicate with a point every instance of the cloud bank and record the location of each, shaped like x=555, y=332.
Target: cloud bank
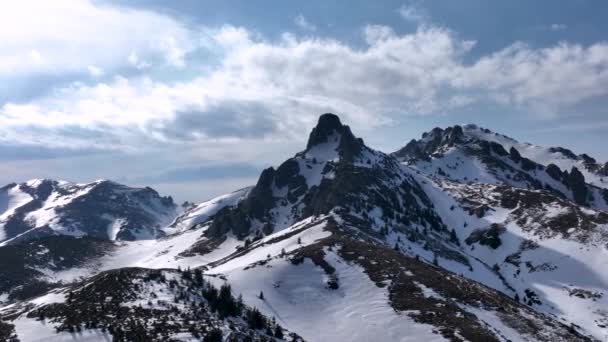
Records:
x=141, y=79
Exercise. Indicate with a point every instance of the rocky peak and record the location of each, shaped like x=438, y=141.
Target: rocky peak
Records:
x=432, y=142
x=349, y=146
x=336, y=171
x=412, y=150
x=588, y=159
x=327, y=124
x=439, y=136
x=454, y=133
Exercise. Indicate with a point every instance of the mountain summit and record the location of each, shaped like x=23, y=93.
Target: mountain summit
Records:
x=330, y=130
x=328, y=123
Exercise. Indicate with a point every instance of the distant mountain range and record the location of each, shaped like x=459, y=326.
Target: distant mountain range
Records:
x=461, y=235
x=101, y=209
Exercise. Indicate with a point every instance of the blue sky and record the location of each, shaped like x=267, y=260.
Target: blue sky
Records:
x=194, y=98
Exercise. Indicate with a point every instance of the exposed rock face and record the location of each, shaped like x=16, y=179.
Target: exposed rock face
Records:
x=566, y=152
x=329, y=124
x=604, y=170
x=498, y=149
x=411, y=151
x=526, y=164
x=256, y=206
x=587, y=159
x=487, y=237
x=555, y=172
x=589, y=163
x=576, y=181
x=431, y=142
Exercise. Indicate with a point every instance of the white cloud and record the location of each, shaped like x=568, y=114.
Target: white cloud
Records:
x=546, y=79
x=35, y=56
x=275, y=87
x=95, y=71
x=282, y=78
x=134, y=60
x=377, y=34
x=66, y=36
x=304, y=24
x=558, y=27
x=413, y=13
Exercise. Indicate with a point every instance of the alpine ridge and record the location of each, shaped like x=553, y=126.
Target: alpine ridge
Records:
x=462, y=235
x=481, y=155
x=101, y=209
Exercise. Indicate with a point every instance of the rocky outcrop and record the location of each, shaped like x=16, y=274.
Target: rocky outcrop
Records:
x=349, y=146
x=576, y=182
x=430, y=143
x=555, y=172
x=411, y=151
x=256, y=206
x=564, y=151
x=487, y=237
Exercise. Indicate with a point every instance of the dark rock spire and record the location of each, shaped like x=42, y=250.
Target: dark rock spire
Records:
x=329, y=123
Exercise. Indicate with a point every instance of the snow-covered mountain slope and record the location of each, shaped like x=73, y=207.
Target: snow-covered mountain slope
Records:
x=342, y=242
x=540, y=230
x=595, y=172
x=101, y=209
x=473, y=154
x=320, y=278
x=386, y=203
x=34, y=266
x=206, y=210
x=134, y=304
x=328, y=280
x=546, y=251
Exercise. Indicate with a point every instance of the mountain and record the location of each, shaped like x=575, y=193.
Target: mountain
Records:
x=528, y=221
x=451, y=238
x=470, y=153
x=337, y=174
x=594, y=172
x=101, y=209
